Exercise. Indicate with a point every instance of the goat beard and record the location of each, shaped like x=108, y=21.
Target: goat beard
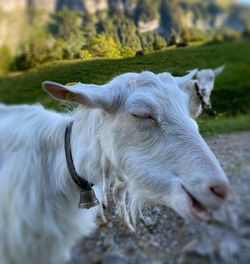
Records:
x=135, y=200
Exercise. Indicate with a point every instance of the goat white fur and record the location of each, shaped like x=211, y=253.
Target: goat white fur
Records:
x=205, y=79
x=136, y=124
x=39, y=217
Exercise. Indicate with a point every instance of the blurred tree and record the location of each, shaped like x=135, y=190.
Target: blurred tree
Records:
x=89, y=25
x=37, y=18
x=6, y=59
x=171, y=16
x=172, y=38
x=103, y=46
x=146, y=10
x=66, y=25
x=147, y=41
x=127, y=52
x=36, y=50
x=183, y=38
x=85, y=54
x=128, y=34
x=246, y=32
x=159, y=42
x=65, y=34
x=122, y=30
x=151, y=41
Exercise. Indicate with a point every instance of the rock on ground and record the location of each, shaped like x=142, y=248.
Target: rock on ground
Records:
x=164, y=237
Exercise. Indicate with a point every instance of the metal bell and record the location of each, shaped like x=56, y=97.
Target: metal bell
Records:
x=87, y=199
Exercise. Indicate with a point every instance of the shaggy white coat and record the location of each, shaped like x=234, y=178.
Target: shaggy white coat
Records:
x=39, y=217
x=135, y=124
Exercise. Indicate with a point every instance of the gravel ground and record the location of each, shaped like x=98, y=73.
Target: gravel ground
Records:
x=165, y=238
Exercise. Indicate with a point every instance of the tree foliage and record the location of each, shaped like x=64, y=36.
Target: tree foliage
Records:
x=6, y=59
x=69, y=34
x=103, y=46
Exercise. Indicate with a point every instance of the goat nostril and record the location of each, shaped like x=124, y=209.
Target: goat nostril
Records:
x=219, y=191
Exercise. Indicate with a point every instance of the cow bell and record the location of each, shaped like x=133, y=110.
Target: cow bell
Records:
x=87, y=199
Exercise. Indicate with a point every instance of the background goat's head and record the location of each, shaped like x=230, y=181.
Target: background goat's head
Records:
x=146, y=132
x=205, y=79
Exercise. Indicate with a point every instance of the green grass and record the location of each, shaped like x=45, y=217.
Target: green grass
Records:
x=230, y=97
x=224, y=124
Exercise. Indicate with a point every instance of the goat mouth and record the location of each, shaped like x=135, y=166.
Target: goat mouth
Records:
x=198, y=210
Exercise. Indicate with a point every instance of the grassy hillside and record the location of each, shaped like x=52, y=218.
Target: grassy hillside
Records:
x=231, y=95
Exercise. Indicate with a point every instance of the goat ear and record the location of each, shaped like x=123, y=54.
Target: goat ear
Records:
x=186, y=78
x=85, y=94
x=219, y=70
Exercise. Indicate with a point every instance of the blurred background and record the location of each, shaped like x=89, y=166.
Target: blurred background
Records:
x=94, y=40
x=33, y=32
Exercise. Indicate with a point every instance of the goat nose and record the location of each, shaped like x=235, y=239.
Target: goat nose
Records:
x=220, y=190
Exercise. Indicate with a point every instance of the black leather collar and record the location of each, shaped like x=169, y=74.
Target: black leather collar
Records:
x=199, y=95
x=79, y=181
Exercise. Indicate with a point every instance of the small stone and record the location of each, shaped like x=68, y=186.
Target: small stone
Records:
x=220, y=217
x=78, y=260
x=140, y=226
x=114, y=258
x=108, y=241
x=99, y=243
x=131, y=248
x=156, y=262
x=247, y=217
x=156, y=210
x=245, y=232
x=148, y=222
x=204, y=248
x=110, y=225
x=174, y=243
x=229, y=249
x=154, y=243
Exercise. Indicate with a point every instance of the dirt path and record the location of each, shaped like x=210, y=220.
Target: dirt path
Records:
x=166, y=238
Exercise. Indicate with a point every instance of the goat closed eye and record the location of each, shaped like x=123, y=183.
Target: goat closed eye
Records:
x=144, y=117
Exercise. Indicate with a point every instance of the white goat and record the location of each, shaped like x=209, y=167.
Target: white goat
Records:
x=199, y=93
x=120, y=187
x=199, y=90
x=136, y=124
